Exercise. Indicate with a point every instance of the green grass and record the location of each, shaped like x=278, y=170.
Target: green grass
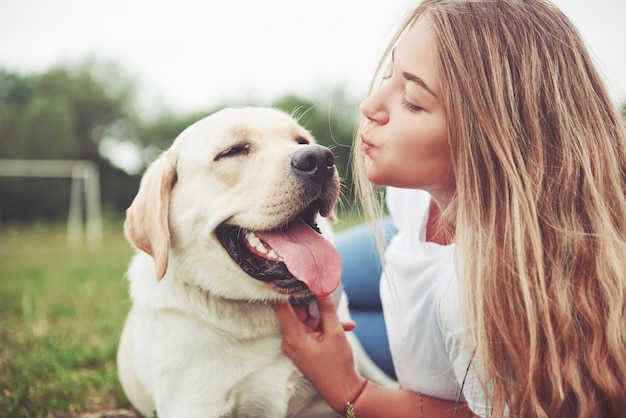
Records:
x=61, y=315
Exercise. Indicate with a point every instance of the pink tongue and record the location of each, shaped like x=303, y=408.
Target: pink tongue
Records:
x=307, y=255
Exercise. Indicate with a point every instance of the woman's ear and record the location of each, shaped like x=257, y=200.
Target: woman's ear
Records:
x=147, y=224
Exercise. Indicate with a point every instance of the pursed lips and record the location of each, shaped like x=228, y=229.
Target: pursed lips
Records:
x=366, y=145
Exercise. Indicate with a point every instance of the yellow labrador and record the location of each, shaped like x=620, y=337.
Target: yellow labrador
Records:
x=227, y=221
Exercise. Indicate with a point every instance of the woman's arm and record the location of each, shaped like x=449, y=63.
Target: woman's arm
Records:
x=321, y=351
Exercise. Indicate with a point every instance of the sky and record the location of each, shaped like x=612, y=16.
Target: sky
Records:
x=188, y=56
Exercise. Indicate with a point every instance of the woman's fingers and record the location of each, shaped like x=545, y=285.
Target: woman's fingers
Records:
x=288, y=319
x=348, y=326
x=328, y=313
x=292, y=318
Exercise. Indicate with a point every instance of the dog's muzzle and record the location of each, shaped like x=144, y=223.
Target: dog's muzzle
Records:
x=294, y=258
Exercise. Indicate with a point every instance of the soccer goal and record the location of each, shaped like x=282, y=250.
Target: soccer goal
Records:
x=84, y=194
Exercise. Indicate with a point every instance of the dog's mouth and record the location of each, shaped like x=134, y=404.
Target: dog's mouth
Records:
x=294, y=258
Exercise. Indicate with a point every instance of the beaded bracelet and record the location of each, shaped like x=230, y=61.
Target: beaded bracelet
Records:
x=419, y=394
x=350, y=405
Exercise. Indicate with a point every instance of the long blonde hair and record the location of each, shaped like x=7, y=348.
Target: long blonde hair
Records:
x=539, y=154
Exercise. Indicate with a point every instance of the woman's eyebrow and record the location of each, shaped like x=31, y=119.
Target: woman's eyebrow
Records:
x=418, y=81
x=413, y=78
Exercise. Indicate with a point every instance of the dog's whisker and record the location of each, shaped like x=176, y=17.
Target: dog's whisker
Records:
x=295, y=112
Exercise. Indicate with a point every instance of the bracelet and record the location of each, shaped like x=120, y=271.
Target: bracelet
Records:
x=350, y=405
x=419, y=394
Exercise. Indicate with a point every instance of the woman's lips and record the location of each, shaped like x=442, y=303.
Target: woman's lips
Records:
x=367, y=146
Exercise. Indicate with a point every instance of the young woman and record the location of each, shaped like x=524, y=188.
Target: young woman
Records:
x=504, y=290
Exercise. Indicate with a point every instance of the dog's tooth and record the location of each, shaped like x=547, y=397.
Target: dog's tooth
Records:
x=253, y=239
x=256, y=243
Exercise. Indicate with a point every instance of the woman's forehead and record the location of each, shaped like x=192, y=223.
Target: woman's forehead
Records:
x=416, y=54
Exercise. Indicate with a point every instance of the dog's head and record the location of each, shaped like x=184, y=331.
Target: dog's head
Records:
x=233, y=207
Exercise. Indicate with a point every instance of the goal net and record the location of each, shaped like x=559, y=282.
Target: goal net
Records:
x=84, y=194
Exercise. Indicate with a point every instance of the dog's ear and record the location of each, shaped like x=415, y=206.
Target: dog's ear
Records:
x=147, y=225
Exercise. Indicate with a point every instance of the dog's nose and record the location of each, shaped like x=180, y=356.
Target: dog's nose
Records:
x=314, y=162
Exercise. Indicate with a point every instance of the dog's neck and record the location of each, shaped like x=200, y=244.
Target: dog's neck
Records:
x=246, y=319
x=241, y=319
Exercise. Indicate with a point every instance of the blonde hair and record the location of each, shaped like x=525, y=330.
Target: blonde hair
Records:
x=539, y=153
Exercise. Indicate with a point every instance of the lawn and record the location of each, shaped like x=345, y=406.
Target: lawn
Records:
x=61, y=314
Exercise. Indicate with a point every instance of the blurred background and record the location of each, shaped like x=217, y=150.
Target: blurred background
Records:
x=92, y=90
x=114, y=81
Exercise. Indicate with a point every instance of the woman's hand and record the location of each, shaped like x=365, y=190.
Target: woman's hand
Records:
x=320, y=349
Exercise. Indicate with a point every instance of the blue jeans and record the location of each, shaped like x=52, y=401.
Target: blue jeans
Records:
x=360, y=278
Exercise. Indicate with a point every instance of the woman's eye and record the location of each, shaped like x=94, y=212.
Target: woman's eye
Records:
x=410, y=106
x=239, y=149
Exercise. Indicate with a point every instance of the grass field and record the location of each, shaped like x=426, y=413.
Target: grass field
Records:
x=61, y=314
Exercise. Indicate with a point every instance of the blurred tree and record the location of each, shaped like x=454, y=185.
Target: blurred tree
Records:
x=63, y=113
x=85, y=111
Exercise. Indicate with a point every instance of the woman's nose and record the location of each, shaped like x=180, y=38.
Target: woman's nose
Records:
x=373, y=109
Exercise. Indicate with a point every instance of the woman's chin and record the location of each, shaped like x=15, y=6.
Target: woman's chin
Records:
x=375, y=179
x=375, y=176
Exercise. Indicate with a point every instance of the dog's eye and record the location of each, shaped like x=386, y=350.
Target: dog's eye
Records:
x=302, y=141
x=239, y=149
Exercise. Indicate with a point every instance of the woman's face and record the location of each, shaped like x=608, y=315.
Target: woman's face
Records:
x=405, y=137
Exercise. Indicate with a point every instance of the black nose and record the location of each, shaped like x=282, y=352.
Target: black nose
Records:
x=314, y=162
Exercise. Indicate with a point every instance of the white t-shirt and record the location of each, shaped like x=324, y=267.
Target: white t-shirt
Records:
x=419, y=293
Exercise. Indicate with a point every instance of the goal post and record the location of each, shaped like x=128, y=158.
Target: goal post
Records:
x=84, y=193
